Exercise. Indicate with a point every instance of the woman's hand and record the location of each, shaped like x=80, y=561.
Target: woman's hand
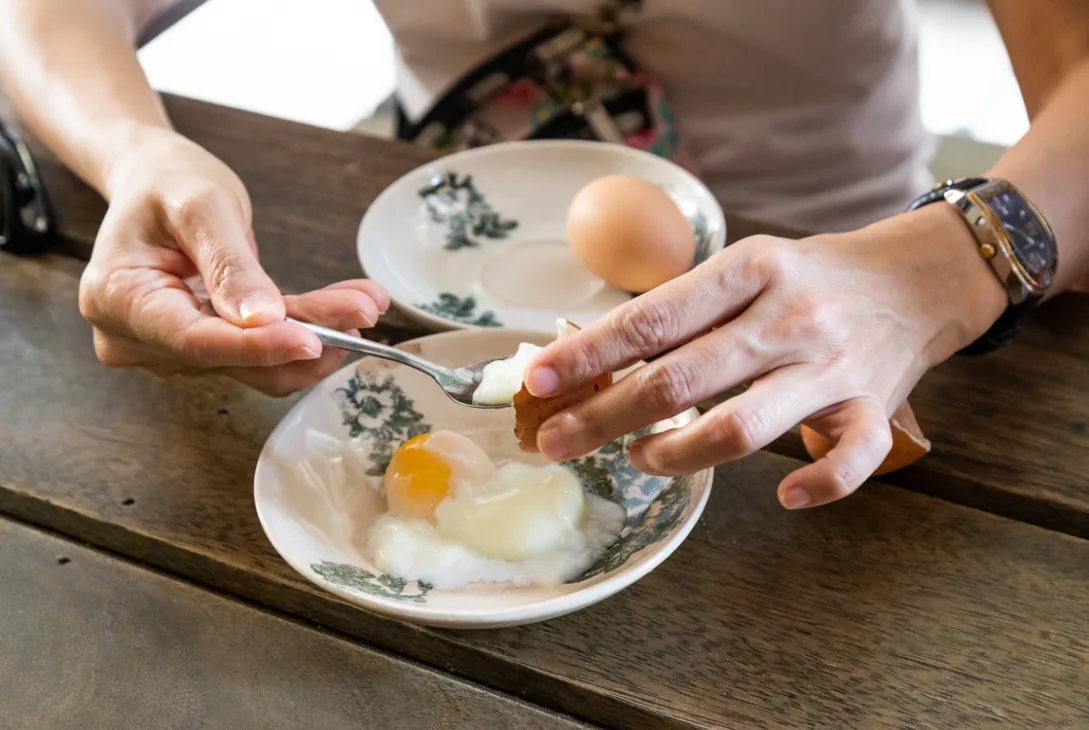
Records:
x=833, y=331
x=174, y=284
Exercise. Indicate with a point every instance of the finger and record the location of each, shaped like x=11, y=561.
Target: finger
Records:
x=277, y=381
x=212, y=230
x=339, y=309
x=862, y=439
x=738, y=427
x=169, y=319
x=373, y=289
x=121, y=352
x=708, y=365
x=712, y=293
x=284, y=380
x=117, y=351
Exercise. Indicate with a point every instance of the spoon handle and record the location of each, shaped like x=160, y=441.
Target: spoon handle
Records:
x=341, y=341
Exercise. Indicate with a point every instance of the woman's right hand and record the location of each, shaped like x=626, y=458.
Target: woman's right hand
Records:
x=174, y=284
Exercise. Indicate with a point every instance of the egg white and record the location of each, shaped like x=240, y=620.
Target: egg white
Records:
x=501, y=379
x=516, y=523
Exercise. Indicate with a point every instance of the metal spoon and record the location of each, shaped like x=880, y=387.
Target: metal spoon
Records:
x=458, y=383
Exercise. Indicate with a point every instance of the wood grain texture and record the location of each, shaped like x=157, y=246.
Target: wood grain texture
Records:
x=889, y=610
x=88, y=642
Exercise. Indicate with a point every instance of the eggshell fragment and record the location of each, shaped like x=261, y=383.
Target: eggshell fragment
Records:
x=530, y=412
x=908, y=443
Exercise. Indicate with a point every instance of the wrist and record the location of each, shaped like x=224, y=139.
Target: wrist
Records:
x=952, y=288
x=128, y=150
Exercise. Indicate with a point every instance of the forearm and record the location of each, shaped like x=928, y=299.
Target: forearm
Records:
x=1051, y=165
x=71, y=71
x=1048, y=45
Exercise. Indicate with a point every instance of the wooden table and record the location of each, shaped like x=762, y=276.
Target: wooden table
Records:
x=954, y=594
x=86, y=636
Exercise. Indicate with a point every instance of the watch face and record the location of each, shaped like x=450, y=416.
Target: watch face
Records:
x=1028, y=239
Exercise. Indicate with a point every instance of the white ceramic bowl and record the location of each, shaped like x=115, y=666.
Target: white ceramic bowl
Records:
x=313, y=499
x=477, y=238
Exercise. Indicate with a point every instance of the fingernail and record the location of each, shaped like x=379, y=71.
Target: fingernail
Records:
x=304, y=352
x=796, y=498
x=542, y=382
x=552, y=444
x=256, y=305
x=370, y=318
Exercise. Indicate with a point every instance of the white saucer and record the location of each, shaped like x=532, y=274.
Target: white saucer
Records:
x=477, y=238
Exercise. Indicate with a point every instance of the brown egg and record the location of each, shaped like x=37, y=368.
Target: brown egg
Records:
x=630, y=233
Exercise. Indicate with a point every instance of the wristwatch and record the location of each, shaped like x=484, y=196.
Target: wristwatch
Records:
x=25, y=222
x=1013, y=237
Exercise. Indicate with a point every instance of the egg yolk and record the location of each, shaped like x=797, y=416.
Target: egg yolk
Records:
x=416, y=481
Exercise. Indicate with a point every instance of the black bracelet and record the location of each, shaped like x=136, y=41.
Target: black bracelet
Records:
x=25, y=220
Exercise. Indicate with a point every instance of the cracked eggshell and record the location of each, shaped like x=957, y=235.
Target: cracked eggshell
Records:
x=530, y=412
x=908, y=442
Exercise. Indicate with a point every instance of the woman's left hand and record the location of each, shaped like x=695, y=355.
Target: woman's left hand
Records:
x=833, y=331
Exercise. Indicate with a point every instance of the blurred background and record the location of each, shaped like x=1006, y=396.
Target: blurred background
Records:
x=329, y=63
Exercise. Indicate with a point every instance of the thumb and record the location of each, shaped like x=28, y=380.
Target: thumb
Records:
x=215, y=236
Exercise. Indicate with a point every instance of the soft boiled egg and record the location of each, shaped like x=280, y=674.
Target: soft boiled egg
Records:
x=455, y=518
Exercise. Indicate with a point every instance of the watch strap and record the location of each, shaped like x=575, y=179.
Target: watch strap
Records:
x=1002, y=332
x=938, y=193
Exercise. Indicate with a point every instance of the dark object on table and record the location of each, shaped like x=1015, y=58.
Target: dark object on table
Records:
x=25, y=223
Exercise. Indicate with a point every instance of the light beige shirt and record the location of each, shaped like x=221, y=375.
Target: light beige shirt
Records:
x=801, y=112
